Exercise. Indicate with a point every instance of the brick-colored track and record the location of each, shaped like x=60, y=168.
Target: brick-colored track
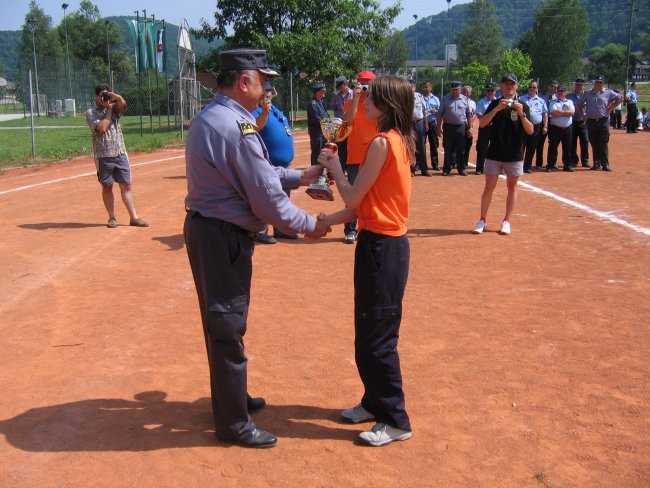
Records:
x=525, y=358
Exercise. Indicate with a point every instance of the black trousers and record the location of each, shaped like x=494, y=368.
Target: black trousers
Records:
x=381, y=266
x=432, y=135
x=556, y=135
x=482, y=144
x=317, y=142
x=420, y=145
x=539, y=150
x=220, y=256
x=453, y=142
x=631, y=121
x=343, y=153
x=468, y=145
x=532, y=143
x=579, y=132
x=599, y=138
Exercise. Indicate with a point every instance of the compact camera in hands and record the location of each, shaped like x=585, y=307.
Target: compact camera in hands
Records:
x=107, y=98
x=363, y=87
x=509, y=102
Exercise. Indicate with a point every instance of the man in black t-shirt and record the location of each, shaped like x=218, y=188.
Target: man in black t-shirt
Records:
x=509, y=120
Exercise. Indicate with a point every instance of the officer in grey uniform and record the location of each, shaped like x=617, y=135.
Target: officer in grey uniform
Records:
x=455, y=113
x=597, y=103
x=233, y=191
x=420, y=129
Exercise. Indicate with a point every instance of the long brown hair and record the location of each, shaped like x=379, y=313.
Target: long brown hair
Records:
x=394, y=97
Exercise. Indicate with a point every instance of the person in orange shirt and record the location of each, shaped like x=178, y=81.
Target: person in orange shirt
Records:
x=379, y=199
x=363, y=131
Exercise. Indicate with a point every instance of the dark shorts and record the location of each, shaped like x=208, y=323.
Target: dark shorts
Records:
x=111, y=170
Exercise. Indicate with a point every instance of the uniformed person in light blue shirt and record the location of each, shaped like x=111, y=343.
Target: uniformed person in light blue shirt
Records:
x=432, y=105
x=631, y=99
x=579, y=129
x=561, y=110
x=233, y=191
x=539, y=119
x=483, y=140
x=421, y=127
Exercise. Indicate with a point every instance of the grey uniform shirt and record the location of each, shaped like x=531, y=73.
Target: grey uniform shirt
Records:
x=230, y=176
x=454, y=111
x=596, y=105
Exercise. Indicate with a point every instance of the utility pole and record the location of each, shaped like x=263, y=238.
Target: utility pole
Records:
x=448, y=39
x=415, y=16
x=64, y=6
x=633, y=9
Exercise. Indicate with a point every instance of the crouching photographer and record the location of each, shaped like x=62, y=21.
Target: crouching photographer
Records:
x=111, y=159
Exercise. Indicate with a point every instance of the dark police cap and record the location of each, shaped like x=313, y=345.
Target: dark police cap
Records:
x=455, y=84
x=509, y=77
x=562, y=88
x=268, y=85
x=318, y=87
x=246, y=59
x=411, y=81
x=489, y=86
x=579, y=81
x=600, y=78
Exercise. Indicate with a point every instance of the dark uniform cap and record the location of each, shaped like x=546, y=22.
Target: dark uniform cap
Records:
x=340, y=81
x=411, y=81
x=268, y=85
x=562, y=88
x=600, y=78
x=489, y=86
x=244, y=59
x=455, y=84
x=509, y=77
x=579, y=81
x=318, y=87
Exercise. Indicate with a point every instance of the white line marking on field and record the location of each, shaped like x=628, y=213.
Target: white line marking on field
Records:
x=601, y=215
x=48, y=182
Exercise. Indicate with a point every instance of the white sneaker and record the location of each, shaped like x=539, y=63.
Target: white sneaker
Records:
x=481, y=225
x=350, y=238
x=382, y=434
x=505, y=228
x=356, y=415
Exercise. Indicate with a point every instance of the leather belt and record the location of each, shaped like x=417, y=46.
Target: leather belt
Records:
x=222, y=224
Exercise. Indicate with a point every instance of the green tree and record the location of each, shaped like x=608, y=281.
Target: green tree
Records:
x=392, y=57
x=481, y=39
x=610, y=61
x=557, y=41
x=514, y=61
x=319, y=38
x=45, y=41
x=474, y=74
x=644, y=40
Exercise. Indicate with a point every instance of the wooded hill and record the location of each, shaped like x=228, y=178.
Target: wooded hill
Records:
x=608, y=23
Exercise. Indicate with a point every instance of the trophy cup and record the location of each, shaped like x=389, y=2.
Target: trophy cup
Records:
x=334, y=130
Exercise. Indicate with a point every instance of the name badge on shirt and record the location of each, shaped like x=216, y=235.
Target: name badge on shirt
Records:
x=246, y=128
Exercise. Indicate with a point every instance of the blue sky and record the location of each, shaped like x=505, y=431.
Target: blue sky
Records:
x=13, y=12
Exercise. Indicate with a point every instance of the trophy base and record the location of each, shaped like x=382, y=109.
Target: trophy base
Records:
x=320, y=192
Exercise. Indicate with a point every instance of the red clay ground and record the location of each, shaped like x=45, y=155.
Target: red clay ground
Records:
x=525, y=358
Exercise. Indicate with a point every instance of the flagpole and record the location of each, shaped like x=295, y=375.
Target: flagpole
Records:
x=153, y=23
x=146, y=65
x=137, y=64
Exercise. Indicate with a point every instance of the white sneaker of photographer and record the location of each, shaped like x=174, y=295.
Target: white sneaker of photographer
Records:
x=382, y=434
x=505, y=228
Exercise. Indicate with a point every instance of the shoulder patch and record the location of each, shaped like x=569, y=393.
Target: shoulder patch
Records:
x=246, y=128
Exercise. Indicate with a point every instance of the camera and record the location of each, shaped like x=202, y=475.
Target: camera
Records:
x=363, y=87
x=106, y=97
x=509, y=102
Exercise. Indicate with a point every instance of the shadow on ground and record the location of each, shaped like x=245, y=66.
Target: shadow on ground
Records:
x=149, y=423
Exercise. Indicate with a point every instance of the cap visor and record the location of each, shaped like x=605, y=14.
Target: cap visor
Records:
x=268, y=72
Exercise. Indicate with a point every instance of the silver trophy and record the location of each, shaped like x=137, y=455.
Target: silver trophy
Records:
x=335, y=130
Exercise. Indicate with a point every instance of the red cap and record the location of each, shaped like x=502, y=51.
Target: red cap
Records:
x=366, y=75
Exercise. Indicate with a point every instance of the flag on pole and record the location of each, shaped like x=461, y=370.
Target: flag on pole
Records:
x=160, y=49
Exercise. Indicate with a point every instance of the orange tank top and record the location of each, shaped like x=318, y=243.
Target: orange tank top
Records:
x=364, y=130
x=385, y=208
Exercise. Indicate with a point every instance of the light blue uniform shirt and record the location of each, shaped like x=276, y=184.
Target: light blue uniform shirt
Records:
x=229, y=174
x=537, y=107
x=563, y=121
x=482, y=105
x=577, y=117
x=419, y=110
x=633, y=96
x=431, y=102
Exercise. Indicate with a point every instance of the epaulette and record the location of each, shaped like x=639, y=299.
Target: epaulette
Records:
x=246, y=128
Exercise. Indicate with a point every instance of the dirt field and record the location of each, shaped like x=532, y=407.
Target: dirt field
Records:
x=525, y=358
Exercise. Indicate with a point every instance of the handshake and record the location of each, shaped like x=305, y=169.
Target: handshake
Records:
x=322, y=228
